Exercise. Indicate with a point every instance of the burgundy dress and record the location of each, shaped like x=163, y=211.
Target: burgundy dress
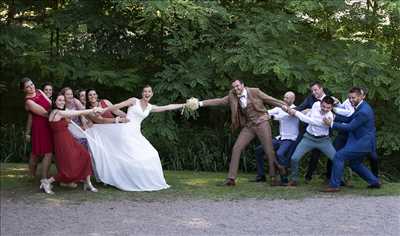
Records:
x=107, y=114
x=41, y=134
x=73, y=160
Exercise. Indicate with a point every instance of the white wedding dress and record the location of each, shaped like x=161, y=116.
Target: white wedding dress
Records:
x=123, y=157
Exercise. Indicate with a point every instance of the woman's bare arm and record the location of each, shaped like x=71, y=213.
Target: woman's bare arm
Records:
x=126, y=103
x=36, y=108
x=72, y=113
x=116, y=111
x=169, y=107
x=98, y=119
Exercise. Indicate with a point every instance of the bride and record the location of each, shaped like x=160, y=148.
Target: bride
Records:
x=122, y=156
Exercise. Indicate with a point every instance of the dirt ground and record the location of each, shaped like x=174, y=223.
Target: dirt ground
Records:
x=330, y=215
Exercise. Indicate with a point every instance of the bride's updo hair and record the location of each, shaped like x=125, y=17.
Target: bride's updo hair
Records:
x=147, y=86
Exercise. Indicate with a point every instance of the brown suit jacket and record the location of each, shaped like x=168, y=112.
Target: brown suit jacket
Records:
x=257, y=98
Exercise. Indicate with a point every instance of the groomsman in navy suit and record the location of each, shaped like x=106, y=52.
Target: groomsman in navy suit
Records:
x=360, y=142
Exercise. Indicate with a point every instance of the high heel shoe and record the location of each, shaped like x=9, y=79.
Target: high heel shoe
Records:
x=89, y=187
x=46, y=186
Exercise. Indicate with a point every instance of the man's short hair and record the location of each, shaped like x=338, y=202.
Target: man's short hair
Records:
x=357, y=90
x=241, y=81
x=316, y=83
x=328, y=100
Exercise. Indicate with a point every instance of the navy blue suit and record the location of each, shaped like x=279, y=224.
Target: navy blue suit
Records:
x=340, y=142
x=360, y=128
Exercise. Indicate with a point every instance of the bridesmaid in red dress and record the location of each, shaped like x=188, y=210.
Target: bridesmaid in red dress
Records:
x=73, y=160
x=115, y=116
x=38, y=106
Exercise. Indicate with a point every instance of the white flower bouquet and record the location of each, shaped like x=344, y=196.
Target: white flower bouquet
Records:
x=190, y=108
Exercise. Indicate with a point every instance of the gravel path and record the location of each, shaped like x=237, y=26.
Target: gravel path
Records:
x=312, y=216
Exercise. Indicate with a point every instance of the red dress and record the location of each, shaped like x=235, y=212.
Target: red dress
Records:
x=107, y=114
x=73, y=160
x=41, y=134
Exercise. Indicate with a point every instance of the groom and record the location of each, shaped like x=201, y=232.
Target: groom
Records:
x=248, y=112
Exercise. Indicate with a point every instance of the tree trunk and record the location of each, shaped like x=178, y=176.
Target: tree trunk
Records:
x=11, y=11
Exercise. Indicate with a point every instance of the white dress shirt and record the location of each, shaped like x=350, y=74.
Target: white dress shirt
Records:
x=344, y=109
x=315, y=118
x=288, y=125
x=243, y=99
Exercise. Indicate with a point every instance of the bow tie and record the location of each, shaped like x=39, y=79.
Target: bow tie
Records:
x=241, y=96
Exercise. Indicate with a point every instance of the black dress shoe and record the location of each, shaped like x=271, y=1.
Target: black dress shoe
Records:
x=259, y=179
x=377, y=185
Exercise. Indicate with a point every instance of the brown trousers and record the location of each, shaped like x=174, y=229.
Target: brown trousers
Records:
x=247, y=134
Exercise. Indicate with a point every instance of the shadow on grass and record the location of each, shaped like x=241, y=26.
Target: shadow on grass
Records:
x=17, y=185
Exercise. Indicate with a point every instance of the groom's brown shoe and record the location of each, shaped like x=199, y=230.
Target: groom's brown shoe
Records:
x=275, y=182
x=228, y=182
x=330, y=190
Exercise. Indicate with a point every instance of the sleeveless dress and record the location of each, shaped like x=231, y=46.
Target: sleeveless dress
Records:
x=73, y=160
x=123, y=157
x=42, y=142
x=107, y=114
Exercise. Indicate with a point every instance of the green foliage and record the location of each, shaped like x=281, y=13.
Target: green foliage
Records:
x=195, y=48
x=13, y=146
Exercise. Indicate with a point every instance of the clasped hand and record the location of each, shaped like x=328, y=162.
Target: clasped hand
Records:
x=98, y=110
x=327, y=121
x=289, y=110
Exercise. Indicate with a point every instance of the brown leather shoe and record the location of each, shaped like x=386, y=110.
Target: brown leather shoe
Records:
x=227, y=182
x=292, y=183
x=275, y=182
x=330, y=190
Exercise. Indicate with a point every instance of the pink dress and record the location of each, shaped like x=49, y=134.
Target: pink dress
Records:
x=42, y=142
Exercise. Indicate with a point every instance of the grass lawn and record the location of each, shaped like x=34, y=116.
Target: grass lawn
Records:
x=17, y=185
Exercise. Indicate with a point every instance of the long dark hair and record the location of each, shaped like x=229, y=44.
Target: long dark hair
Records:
x=78, y=92
x=47, y=84
x=53, y=104
x=87, y=97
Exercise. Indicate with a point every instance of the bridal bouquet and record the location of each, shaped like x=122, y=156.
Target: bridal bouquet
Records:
x=190, y=108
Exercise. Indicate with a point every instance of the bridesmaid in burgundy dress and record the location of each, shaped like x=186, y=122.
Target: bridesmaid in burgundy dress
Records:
x=115, y=116
x=48, y=91
x=38, y=106
x=73, y=160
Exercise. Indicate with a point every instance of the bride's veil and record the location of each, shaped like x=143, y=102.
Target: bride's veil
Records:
x=79, y=133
